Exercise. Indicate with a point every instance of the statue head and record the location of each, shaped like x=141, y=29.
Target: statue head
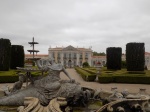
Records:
x=21, y=77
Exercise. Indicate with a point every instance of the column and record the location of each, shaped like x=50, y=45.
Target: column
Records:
x=77, y=59
x=62, y=56
x=56, y=55
x=83, y=57
x=89, y=59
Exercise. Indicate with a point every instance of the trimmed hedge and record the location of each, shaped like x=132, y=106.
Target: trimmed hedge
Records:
x=5, y=49
x=135, y=56
x=8, y=79
x=114, y=58
x=105, y=79
x=89, y=71
x=132, y=79
x=17, y=56
x=85, y=75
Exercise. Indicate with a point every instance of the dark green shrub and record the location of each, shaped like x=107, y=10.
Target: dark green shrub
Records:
x=85, y=64
x=132, y=79
x=136, y=72
x=123, y=64
x=105, y=79
x=114, y=58
x=135, y=56
x=5, y=48
x=17, y=56
x=90, y=71
x=85, y=75
x=8, y=79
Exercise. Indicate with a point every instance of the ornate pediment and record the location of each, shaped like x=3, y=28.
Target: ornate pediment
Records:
x=70, y=48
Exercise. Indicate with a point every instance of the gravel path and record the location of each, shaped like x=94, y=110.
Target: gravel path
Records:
x=132, y=88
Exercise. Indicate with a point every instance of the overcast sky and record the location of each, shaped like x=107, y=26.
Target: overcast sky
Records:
x=82, y=23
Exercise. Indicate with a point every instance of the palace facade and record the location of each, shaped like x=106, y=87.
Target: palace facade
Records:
x=71, y=56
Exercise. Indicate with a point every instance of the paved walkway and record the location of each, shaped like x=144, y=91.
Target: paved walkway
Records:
x=133, y=88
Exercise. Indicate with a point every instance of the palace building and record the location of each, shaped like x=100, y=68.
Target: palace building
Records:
x=71, y=56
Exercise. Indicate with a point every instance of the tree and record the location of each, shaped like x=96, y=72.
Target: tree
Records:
x=114, y=58
x=17, y=56
x=98, y=54
x=5, y=48
x=85, y=64
x=135, y=56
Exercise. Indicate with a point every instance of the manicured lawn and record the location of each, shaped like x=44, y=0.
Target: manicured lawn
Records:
x=8, y=73
x=13, y=73
x=11, y=76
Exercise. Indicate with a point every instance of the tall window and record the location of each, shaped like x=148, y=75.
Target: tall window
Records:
x=80, y=63
x=53, y=55
x=75, y=56
x=58, y=55
x=74, y=63
x=69, y=55
x=64, y=55
x=80, y=55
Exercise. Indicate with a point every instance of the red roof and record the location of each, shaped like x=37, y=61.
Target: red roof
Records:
x=147, y=53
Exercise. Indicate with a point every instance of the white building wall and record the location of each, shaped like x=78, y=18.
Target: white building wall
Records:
x=89, y=59
x=62, y=55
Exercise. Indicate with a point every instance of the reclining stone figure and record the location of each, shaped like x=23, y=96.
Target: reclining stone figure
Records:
x=45, y=88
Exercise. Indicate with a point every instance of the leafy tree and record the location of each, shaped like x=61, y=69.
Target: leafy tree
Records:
x=85, y=64
x=5, y=48
x=98, y=54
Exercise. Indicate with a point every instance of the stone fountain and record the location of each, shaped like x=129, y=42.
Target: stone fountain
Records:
x=51, y=94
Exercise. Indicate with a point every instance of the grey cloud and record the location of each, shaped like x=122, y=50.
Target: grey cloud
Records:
x=98, y=23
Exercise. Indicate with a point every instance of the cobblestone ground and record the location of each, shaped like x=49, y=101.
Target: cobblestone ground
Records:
x=132, y=88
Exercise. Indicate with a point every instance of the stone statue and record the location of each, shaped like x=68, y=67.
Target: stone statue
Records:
x=45, y=88
x=18, y=85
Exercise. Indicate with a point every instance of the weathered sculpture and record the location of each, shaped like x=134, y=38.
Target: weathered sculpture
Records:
x=45, y=88
x=51, y=94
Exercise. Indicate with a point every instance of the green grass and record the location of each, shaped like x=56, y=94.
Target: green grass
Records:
x=14, y=73
x=8, y=73
x=11, y=76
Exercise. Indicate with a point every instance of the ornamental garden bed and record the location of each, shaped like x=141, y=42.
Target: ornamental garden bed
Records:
x=123, y=76
x=86, y=75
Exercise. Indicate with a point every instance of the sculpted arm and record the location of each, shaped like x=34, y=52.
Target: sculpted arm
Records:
x=41, y=66
x=67, y=74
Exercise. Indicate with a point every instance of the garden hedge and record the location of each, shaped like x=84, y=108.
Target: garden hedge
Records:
x=17, y=56
x=105, y=79
x=89, y=71
x=8, y=79
x=85, y=75
x=5, y=49
x=132, y=79
x=135, y=56
x=114, y=58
